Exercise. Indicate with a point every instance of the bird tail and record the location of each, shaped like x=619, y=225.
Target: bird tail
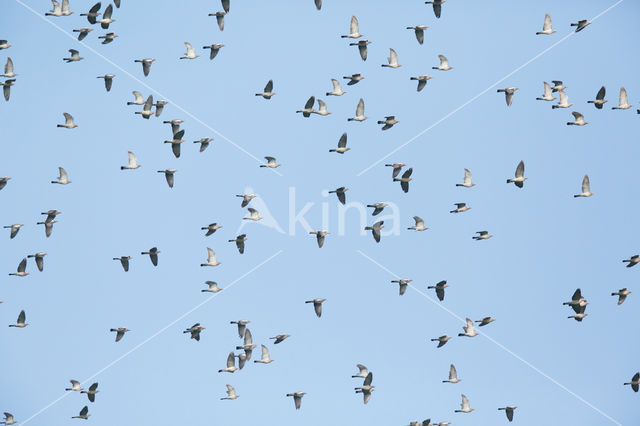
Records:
x=576, y=196
x=113, y=329
x=332, y=150
x=60, y=125
x=554, y=106
x=349, y=119
x=591, y=102
x=380, y=122
x=262, y=165
x=368, y=228
x=501, y=90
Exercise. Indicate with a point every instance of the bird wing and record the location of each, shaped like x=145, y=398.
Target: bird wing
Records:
x=231, y=360
x=444, y=62
x=40, y=263
x=363, y=51
x=601, y=93
x=578, y=116
x=376, y=234
x=341, y=196
x=22, y=317
x=85, y=409
x=211, y=256
x=547, y=22
x=342, y=142
x=265, y=352
x=421, y=84
x=407, y=173
x=368, y=379
x=220, y=20
x=547, y=90
x=149, y=102
x=363, y=370
x=108, y=12
x=138, y=95
x=132, y=159
x=453, y=374
x=310, y=102
x=564, y=98
x=393, y=57
x=420, y=35
x=269, y=87
x=317, y=306
x=93, y=387
x=465, y=402
x=470, y=328
x=360, y=108
x=190, y=50
x=8, y=67
x=175, y=147
x=321, y=105
x=440, y=293
x=270, y=160
x=353, y=28
x=520, y=169
x=623, y=99
x=23, y=265
x=577, y=295
x=419, y=221
x=68, y=119
x=248, y=339
x=63, y=174
x=467, y=176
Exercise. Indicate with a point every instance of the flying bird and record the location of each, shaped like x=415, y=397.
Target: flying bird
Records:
x=453, y=375
x=176, y=142
x=8, y=419
x=146, y=65
x=442, y=340
x=397, y=167
x=353, y=79
x=635, y=383
x=191, y=53
x=108, y=38
x=419, y=30
x=195, y=330
x=508, y=410
x=342, y=145
x=337, y=88
x=405, y=179
x=146, y=109
x=212, y=287
x=6, y=88
x=84, y=413
x=366, y=388
x=22, y=269
x=231, y=393
x=153, y=255
x=375, y=229
x=519, y=178
x=265, y=357
x=464, y=405
x=377, y=208
x=600, y=100
x=469, y=329
x=340, y=193
x=219, y=18
x=508, y=93
x=297, y=396
x=242, y=326
x=581, y=24
x=124, y=260
x=120, y=331
x=93, y=13
x=563, y=102
x=308, y=107
x=15, y=228
x=320, y=236
x=108, y=80
x=623, y=100
x=389, y=121
x=211, y=259
x=215, y=48
x=547, y=95
x=362, y=47
x=439, y=288
x=211, y=228
x=467, y=181
x=422, y=81
x=133, y=162
x=271, y=163
x=546, y=27
x=579, y=120
x=482, y=235
x=279, y=338
x=317, y=305
x=633, y=260
x=359, y=112
x=444, y=64
x=169, y=176
x=106, y=18
x=403, y=283
x=204, y=143
x=39, y=258
x=75, y=56
x=460, y=208
x=239, y=240
x=59, y=10
x=586, y=188
x=392, y=59
x=8, y=69
x=254, y=215
x=363, y=372
x=91, y=392
x=354, y=31
x=322, y=108
x=485, y=321
x=419, y=226
x=437, y=6
x=268, y=92
x=231, y=364
x=20, y=323
x=68, y=121
x=622, y=295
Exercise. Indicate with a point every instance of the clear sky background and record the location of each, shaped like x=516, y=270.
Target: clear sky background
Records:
x=545, y=245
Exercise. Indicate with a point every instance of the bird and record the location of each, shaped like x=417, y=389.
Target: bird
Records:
x=176, y=142
x=169, y=176
x=153, y=255
x=546, y=27
x=557, y=86
x=485, y=321
x=340, y=193
x=195, y=330
x=586, y=188
x=20, y=323
x=139, y=100
x=419, y=226
x=22, y=269
x=308, y=107
x=600, y=100
x=439, y=288
x=239, y=240
x=405, y=179
x=133, y=162
x=378, y=207
x=508, y=410
x=580, y=24
x=48, y=226
x=265, y=358
x=419, y=30
x=464, y=405
x=460, y=208
x=444, y=64
x=211, y=228
x=146, y=65
x=211, y=259
x=84, y=413
x=389, y=121
x=482, y=235
x=68, y=121
x=437, y=6
x=231, y=364
x=396, y=168
x=271, y=163
x=204, y=143
x=622, y=295
x=508, y=93
x=563, y=102
x=322, y=108
x=375, y=229
x=279, y=338
x=317, y=305
x=15, y=228
x=422, y=81
x=242, y=326
x=120, y=331
x=320, y=236
x=547, y=95
x=453, y=375
x=75, y=56
x=254, y=215
x=4, y=44
x=577, y=301
x=363, y=372
x=467, y=181
x=623, y=100
x=633, y=260
x=342, y=145
x=392, y=59
x=215, y=48
x=231, y=393
x=108, y=80
x=248, y=345
x=124, y=260
x=354, y=31
x=191, y=53
x=39, y=258
x=337, y=88
x=108, y=37
x=359, y=112
x=442, y=340
x=106, y=18
x=91, y=393
x=8, y=419
x=635, y=383
x=519, y=177
x=75, y=386
x=297, y=396
x=4, y=181
x=63, y=179
x=579, y=119
x=246, y=199
x=366, y=388
x=146, y=109
x=219, y=18
x=6, y=88
x=59, y=10
x=213, y=287
x=8, y=69
x=268, y=92
x=362, y=47
x=469, y=329
x=93, y=13
x=353, y=79
x=403, y=283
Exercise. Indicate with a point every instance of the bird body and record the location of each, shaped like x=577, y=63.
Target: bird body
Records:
x=460, y=208
x=622, y=295
x=389, y=121
x=623, y=100
x=482, y=235
x=600, y=100
x=362, y=48
x=579, y=120
x=422, y=81
x=195, y=330
x=120, y=331
x=464, y=405
x=439, y=288
x=215, y=48
x=419, y=226
x=133, y=162
x=213, y=287
x=320, y=236
x=297, y=398
x=271, y=163
x=337, y=88
x=453, y=375
x=146, y=65
x=231, y=364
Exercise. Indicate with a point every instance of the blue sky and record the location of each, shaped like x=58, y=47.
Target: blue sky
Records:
x=545, y=245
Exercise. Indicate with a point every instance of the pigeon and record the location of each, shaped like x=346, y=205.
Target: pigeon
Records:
x=120, y=331
x=469, y=329
x=466, y=183
x=211, y=228
x=146, y=65
x=160, y=107
x=8, y=419
x=378, y=207
x=442, y=340
x=586, y=188
x=239, y=240
x=4, y=44
x=482, y=235
x=20, y=323
x=422, y=81
x=405, y=179
x=623, y=100
x=362, y=47
x=63, y=179
x=108, y=38
x=59, y=10
x=464, y=405
x=169, y=176
x=297, y=396
x=633, y=260
x=392, y=59
x=322, y=108
x=439, y=288
x=146, y=109
x=39, y=258
x=375, y=229
x=8, y=69
x=204, y=143
x=231, y=364
x=191, y=53
x=366, y=388
x=268, y=92
x=460, y=208
x=437, y=6
x=106, y=18
x=419, y=30
x=354, y=31
x=622, y=295
x=15, y=228
x=581, y=24
x=635, y=383
x=519, y=178
x=213, y=287
x=265, y=357
x=419, y=226
x=248, y=345
x=68, y=121
x=133, y=162
x=254, y=215
x=91, y=393
x=453, y=375
x=75, y=56
x=211, y=259
x=176, y=142
x=337, y=88
x=508, y=410
x=242, y=326
x=579, y=120
x=139, y=100
x=271, y=163
x=153, y=255
x=4, y=181
x=444, y=64
x=6, y=88
x=563, y=102
x=231, y=393
x=84, y=413
x=279, y=338
x=363, y=372
x=219, y=18
x=485, y=321
x=93, y=13
x=175, y=124
x=359, y=112
x=320, y=236
x=342, y=145
x=226, y=5
x=546, y=27
x=547, y=95
x=195, y=330
x=397, y=167
x=215, y=48
x=75, y=386
x=389, y=122
x=308, y=107
x=108, y=80
x=48, y=227
x=246, y=199
x=124, y=260
x=354, y=79
x=317, y=305
x=508, y=93
x=340, y=194
x=403, y=284
x=600, y=100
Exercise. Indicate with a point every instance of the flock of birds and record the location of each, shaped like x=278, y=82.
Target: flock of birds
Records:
x=237, y=361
